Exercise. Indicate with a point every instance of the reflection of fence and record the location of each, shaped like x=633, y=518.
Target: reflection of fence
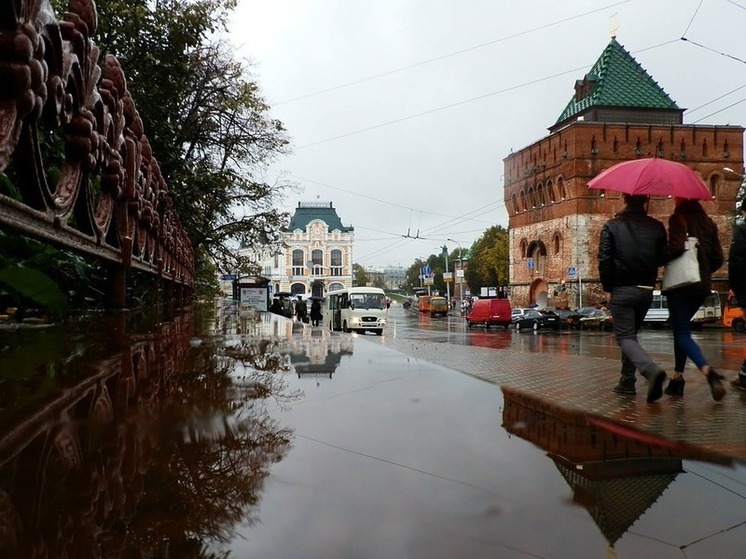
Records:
x=76, y=169
x=78, y=456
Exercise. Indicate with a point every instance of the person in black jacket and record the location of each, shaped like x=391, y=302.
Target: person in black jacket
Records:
x=629, y=254
x=690, y=220
x=737, y=279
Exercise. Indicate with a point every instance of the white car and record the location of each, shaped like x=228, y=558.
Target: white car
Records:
x=517, y=312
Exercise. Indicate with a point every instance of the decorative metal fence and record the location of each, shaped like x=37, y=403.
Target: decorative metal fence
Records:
x=76, y=169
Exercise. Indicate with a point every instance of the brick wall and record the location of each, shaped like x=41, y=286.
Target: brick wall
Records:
x=555, y=220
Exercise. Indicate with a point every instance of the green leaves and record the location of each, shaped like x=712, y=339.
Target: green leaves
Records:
x=35, y=286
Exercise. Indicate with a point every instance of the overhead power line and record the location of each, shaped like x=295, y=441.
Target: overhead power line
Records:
x=449, y=55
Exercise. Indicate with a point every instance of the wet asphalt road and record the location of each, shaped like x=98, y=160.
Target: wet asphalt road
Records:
x=396, y=457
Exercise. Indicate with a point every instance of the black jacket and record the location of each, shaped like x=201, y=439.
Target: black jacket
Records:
x=737, y=264
x=690, y=220
x=631, y=249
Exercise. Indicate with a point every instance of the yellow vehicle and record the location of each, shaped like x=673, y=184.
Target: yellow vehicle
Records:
x=438, y=306
x=733, y=314
x=423, y=303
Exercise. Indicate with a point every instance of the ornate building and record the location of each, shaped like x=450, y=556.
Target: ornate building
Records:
x=318, y=253
x=618, y=113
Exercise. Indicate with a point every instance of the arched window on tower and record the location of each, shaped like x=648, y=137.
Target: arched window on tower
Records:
x=523, y=246
x=540, y=195
x=705, y=149
x=557, y=244
x=714, y=182
x=551, y=197
x=514, y=203
x=524, y=205
x=561, y=188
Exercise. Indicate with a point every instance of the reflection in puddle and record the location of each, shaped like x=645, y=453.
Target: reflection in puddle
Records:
x=153, y=443
x=615, y=473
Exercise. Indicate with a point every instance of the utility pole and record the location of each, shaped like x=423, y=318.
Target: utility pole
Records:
x=448, y=284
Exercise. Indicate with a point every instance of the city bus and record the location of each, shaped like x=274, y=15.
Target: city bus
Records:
x=358, y=309
x=710, y=311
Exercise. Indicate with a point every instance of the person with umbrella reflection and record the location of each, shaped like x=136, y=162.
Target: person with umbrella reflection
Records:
x=629, y=255
x=690, y=220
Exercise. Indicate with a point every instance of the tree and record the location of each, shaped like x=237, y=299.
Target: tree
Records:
x=359, y=276
x=489, y=261
x=208, y=126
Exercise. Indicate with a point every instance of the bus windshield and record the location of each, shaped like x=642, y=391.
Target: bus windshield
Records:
x=367, y=301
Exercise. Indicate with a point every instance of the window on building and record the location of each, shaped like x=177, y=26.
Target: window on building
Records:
x=317, y=257
x=540, y=195
x=524, y=205
x=551, y=198
x=298, y=264
x=714, y=182
x=523, y=247
x=335, y=262
x=705, y=149
x=557, y=244
x=531, y=198
x=514, y=202
x=561, y=188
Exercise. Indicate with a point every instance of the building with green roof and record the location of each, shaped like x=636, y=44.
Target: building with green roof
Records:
x=617, y=112
x=317, y=257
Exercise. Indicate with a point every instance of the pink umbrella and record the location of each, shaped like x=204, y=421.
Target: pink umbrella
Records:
x=652, y=176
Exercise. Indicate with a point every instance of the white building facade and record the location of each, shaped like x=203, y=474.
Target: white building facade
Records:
x=317, y=257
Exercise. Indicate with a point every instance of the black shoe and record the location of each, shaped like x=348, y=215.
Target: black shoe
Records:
x=675, y=387
x=655, y=385
x=739, y=383
x=625, y=387
x=716, y=387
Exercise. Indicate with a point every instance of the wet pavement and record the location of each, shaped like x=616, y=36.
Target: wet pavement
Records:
x=252, y=436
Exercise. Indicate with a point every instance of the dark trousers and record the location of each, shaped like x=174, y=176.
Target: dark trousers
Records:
x=629, y=304
x=681, y=309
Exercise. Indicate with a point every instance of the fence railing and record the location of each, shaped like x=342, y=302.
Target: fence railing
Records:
x=76, y=169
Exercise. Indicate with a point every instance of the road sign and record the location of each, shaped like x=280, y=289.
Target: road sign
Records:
x=228, y=277
x=426, y=270
x=572, y=273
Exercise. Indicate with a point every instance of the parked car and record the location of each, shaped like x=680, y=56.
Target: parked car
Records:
x=568, y=318
x=517, y=313
x=573, y=318
x=599, y=319
x=490, y=312
x=537, y=320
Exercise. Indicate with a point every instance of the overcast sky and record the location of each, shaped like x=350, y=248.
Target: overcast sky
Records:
x=401, y=111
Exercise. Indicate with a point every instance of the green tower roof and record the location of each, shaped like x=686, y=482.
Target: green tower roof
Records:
x=306, y=212
x=617, y=80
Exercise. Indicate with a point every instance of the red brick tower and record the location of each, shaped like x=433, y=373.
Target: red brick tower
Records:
x=618, y=113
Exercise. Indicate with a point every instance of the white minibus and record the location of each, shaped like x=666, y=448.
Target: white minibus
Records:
x=358, y=309
x=710, y=311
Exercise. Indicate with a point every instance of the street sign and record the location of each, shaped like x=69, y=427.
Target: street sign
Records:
x=530, y=263
x=228, y=277
x=572, y=273
x=426, y=270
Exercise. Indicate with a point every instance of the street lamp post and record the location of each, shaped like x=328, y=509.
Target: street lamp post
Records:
x=461, y=267
x=448, y=284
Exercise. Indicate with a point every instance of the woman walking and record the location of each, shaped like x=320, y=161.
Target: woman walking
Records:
x=690, y=220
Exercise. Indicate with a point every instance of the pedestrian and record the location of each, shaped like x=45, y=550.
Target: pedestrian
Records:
x=737, y=279
x=629, y=255
x=301, y=310
x=690, y=220
x=316, y=315
x=276, y=307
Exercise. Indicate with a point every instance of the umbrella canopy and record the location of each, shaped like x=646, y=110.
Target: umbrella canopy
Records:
x=653, y=176
x=282, y=294
x=317, y=298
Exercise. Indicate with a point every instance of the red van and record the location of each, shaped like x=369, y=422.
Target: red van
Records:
x=490, y=312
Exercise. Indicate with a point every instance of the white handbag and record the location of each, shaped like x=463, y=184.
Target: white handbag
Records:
x=683, y=270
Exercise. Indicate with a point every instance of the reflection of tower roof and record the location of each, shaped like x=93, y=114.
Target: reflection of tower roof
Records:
x=615, y=503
